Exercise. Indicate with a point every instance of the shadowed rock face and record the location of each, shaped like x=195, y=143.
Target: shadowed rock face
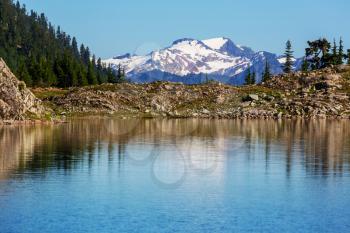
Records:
x=16, y=100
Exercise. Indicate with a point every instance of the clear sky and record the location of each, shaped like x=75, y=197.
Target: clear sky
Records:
x=114, y=27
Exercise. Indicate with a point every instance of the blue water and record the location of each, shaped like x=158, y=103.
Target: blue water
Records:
x=106, y=175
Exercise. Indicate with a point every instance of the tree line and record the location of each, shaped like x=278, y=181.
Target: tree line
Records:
x=319, y=54
x=42, y=55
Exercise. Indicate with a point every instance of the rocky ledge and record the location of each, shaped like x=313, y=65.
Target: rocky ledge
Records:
x=17, y=102
x=318, y=94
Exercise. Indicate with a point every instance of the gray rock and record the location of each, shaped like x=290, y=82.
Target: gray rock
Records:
x=205, y=111
x=16, y=100
x=245, y=104
x=253, y=97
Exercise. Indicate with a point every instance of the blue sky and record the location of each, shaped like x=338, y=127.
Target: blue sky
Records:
x=113, y=27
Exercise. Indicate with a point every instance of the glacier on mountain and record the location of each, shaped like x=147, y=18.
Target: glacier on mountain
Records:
x=194, y=61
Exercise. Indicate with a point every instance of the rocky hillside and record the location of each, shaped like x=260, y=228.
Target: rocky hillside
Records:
x=321, y=94
x=16, y=101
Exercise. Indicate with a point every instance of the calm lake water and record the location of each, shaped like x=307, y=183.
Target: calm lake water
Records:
x=108, y=175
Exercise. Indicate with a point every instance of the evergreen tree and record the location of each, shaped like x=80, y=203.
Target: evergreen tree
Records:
x=318, y=54
x=111, y=78
x=35, y=72
x=93, y=60
x=341, y=54
x=82, y=76
x=288, y=65
x=253, y=81
x=206, y=78
x=348, y=56
x=75, y=47
x=248, y=77
x=91, y=75
x=86, y=56
x=123, y=74
x=335, y=57
x=305, y=65
x=46, y=74
x=120, y=74
x=99, y=67
x=267, y=73
x=99, y=64
x=82, y=53
x=23, y=74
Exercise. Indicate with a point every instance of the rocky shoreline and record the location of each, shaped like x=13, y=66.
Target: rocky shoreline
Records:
x=318, y=94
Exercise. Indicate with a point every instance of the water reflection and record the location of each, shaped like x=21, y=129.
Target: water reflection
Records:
x=318, y=147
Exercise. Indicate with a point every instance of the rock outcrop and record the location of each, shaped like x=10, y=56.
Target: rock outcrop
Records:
x=17, y=102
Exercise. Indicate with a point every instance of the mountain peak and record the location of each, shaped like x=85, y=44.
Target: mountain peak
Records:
x=127, y=55
x=227, y=46
x=183, y=40
x=216, y=43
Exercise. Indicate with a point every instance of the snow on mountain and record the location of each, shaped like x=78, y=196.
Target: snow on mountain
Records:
x=192, y=61
x=297, y=62
x=215, y=43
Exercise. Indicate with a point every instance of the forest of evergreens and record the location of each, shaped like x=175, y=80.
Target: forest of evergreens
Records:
x=43, y=55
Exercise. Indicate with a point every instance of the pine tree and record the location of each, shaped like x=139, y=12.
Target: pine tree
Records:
x=86, y=56
x=81, y=76
x=288, y=65
x=75, y=47
x=91, y=75
x=248, y=78
x=111, y=78
x=99, y=68
x=35, y=72
x=47, y=76
x=305, y=65
x=340, y=52
x=206, y=79
x=82, y=52
x=348, y=56
x=335, y=57
x=120, y=74
x=267, y=73
x=23, y=74
x=253, y=81
x=60, y=73
x=318, y=54
x=93, y=60
x=99, y=64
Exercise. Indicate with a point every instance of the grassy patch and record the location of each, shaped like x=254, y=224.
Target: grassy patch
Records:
x=346, y=75
x=49, y=93
x=257, y=89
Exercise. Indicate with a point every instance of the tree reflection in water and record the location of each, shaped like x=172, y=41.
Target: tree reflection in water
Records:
x=321, y=147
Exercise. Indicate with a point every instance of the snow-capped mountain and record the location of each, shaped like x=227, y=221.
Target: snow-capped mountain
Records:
x=194, y=61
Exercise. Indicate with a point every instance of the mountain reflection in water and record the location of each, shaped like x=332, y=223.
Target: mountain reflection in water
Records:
x=321, y=147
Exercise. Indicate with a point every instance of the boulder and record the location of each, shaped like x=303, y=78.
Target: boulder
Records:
x=16, y=100
x=251, y=97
